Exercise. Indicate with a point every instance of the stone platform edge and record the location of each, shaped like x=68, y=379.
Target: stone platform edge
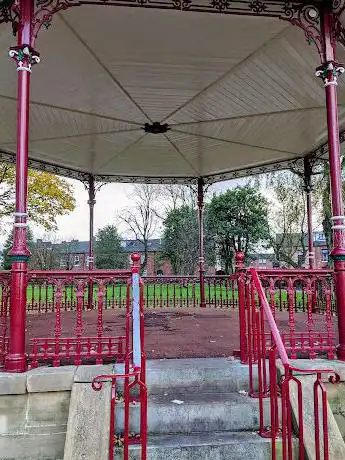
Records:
x=46, y=379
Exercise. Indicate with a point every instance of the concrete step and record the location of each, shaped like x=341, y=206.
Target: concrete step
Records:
x=201, y=374
x=33, y=425
x=195, y=412
x=87, y=436
x=205, y=446
x=42, y=442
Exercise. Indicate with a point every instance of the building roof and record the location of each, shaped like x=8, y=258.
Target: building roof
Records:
x=294, y=239
x=172, y=94
x=82, y=247
x=154, y=245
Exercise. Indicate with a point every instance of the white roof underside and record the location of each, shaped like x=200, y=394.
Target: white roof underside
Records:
x=237, y=93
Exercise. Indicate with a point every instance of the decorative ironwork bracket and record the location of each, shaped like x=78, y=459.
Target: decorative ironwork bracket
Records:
x=305, y=16
x=298, y=13
x=92, y=187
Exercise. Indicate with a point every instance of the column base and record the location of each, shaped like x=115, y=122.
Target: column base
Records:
x=341, y=352
x=15, y=363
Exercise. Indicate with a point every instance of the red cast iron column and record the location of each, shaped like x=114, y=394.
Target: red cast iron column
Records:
x=329, y=71
x=308, y=190
x=25, y=57
x=201, y=241
x=241, y=281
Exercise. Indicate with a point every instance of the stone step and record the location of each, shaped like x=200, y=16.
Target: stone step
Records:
x=201, y=374
x=195, y=412
x=33, y=425
x=41, y=442
x=87, y=436
x=205, y=446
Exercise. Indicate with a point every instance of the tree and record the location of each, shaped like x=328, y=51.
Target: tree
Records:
x=8, y=246
x=108, y=249
x=141, y=220
x=49, y=196
x=287, y=218
x=172, y=196
x=46, y=255
x=180, y=239
x=237, y=221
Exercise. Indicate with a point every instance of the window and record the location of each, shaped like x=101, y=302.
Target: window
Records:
x=300, y=258
x=324, y=255
x=320, y=236
x=262, y=261
x=76, y=260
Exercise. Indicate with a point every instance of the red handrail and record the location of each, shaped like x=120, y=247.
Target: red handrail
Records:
x=274, y=329
x=268, y=313
x=258, y=352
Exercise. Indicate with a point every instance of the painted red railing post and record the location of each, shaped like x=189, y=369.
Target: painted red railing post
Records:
x=329, y=71
x=308, y=191
x=25, y=57
x=201, y=241
x=239, y=267
x=91, y=202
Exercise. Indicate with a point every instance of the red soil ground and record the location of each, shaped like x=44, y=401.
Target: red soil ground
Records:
x=170, y=333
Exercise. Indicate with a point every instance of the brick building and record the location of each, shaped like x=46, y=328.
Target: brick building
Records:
x=74, y=255
x=321, y=253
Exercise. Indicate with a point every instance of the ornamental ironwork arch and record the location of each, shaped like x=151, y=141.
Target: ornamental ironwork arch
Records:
x=301, y=14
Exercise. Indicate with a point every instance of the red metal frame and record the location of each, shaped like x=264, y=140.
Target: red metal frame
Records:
x=201, y=241
x=265, y=347
x=79, y=348
x=15, y=359
x=329, y=71
x=133, y=377
x=27, y=20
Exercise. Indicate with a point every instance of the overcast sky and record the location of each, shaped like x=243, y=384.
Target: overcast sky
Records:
x=109, y=200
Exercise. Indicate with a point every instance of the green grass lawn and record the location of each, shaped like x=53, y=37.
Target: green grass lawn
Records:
x=155, y=295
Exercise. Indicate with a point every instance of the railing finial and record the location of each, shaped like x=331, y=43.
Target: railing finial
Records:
x=135, y=257
x=239, y=260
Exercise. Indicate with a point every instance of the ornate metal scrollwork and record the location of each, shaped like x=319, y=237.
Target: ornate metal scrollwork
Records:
x=9, y=13
x=306, y=17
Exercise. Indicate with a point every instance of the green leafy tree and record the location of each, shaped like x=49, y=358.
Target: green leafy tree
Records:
x=49, y=196
x=8, y=246
x=180, y=239
x=108, y=250
x=237, y=221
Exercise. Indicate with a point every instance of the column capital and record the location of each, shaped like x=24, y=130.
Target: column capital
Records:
x=25, y=57
x=329, y=72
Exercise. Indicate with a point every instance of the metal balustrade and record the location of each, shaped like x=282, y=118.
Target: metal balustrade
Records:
x=265, y=343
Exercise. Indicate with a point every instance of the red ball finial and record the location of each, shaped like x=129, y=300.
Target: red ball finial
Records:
x=239, y=259
x=135, y=257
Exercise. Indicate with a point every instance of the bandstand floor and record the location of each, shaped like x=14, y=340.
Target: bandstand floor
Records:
x=170, y=333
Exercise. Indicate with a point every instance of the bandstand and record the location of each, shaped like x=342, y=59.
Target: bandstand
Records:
x=169, y=91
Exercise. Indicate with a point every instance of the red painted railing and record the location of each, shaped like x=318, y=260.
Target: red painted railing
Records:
x=72, y=288
x=184, y=291
x=135, y=373
x=266, y=343
x=4, y=311
x=41, y=291
x=295, y=298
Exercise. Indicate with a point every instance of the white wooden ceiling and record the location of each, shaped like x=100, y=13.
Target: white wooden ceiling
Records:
x=236, y=92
